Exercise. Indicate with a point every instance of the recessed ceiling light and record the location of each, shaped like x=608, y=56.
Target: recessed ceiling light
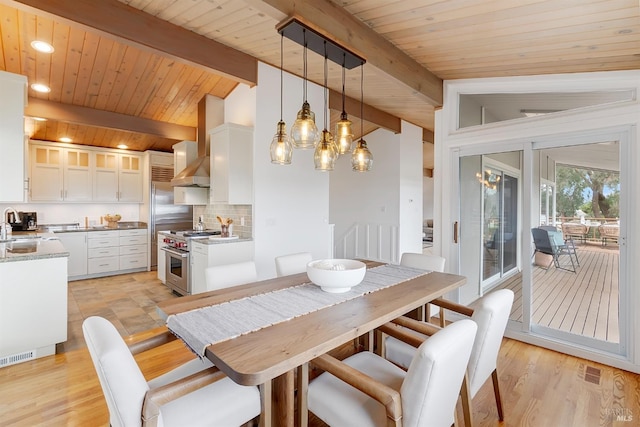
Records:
x=39, y=87
x=39, y=119
x=41, y=46
x=65, y=139
x=123, y=146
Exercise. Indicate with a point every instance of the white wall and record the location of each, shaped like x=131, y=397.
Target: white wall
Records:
x=379, y=212
x=59, y=213
x=291, y=203
x=410, y=187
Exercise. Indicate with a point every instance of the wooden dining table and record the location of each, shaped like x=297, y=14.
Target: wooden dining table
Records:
x=269, y=356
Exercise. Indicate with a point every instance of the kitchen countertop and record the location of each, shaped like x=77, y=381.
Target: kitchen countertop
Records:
x=31, y=247
x=75, y=227
x=219, y=241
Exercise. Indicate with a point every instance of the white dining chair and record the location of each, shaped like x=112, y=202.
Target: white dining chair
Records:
x=423, y=261
x=195, y=393
x=367, y=390
x=491, y=313
x=292, y=263
x=227, y=275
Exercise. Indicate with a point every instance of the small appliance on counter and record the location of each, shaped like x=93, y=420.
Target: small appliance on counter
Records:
x=28, y=221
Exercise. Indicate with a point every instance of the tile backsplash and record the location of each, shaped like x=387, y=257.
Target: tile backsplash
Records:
x=241, y=214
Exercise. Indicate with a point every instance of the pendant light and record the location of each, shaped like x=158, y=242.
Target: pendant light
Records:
x=281, y=147
x=325, y=155
x=343, y=134
x=361, y=159
x=304, y=131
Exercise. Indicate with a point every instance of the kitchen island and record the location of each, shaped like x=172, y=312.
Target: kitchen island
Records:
x=33, y=297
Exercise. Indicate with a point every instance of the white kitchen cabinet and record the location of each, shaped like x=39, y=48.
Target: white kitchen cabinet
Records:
x=117, y=177
x=231, y=164
x=133, y=249
x=13, y=88
x=190, y=195
x=76, y=244
x=33, y=308
x=47, y=174
x=205, y=255
x=60, y=174
x=103, y=252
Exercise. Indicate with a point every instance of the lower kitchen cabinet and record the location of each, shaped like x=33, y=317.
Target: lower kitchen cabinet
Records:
x=104, y=251
x=205, y=255
x=76, y=245
x=133, y=249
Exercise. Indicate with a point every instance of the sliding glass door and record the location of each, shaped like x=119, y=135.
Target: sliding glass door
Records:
x=500, y=222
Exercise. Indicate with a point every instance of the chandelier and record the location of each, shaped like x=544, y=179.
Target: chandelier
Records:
x=304, y=132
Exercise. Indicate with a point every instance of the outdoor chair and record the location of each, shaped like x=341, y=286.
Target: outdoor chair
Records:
x=561, y=240
x=551, y=243
x=570, y=230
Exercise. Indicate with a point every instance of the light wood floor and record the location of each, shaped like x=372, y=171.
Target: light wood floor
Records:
x=584, y=303
x=540, y=387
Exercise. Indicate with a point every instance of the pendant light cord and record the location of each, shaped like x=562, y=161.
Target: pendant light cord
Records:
x=281, y=62
x=304, y=70
x=325, y=85
x=361, y=100
x=344, y=59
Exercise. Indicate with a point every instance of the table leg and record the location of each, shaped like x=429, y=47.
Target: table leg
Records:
x=303, y=385
x=266, y=397
x=283, y=399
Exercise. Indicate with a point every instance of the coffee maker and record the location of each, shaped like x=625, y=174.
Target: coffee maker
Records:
x=28, y=221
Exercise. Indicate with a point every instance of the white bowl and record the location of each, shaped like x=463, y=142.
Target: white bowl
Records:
x=336, y=275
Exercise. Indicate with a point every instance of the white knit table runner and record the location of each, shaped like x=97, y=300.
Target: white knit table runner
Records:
x=204, y=326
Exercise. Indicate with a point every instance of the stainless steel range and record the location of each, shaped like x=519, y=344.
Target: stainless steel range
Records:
x=178, y=265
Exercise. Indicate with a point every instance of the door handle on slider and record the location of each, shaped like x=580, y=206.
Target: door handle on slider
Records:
x=455, y=232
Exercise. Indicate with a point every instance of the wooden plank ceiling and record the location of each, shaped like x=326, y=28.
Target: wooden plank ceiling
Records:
x=429, y=39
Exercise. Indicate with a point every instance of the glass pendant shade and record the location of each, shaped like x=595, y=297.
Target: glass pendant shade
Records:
x=281, y=147
x=325, y=155
x=361, y=159
x=304, y=131
x=344, y=135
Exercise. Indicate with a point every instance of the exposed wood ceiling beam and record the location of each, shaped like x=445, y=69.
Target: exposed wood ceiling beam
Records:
x=335, y=23
x=427, y=135
x=371, y=114
x=106, y=119
x=128, y=23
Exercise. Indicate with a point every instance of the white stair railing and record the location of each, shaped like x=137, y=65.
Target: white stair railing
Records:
x=378, y=242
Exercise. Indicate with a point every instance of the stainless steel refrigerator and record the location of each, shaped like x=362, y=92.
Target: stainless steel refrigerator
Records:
x=166, y=216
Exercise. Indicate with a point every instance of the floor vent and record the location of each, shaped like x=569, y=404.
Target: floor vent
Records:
x=592, y=375
x=17, y=358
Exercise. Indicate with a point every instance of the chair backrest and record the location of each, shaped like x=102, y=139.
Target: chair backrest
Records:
x=123, y=385
x=224, y=276
x=431, y=387
x=491, y=314
x=292, y=263
x=542, y=241
x=423, y=261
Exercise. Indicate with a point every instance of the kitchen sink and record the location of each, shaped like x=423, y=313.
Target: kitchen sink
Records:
x=22, y=239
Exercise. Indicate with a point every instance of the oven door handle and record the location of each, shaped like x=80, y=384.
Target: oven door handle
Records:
x=176, y=253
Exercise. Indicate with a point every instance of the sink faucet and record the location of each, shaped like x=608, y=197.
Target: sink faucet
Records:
x=5, y=215
x=5, y=227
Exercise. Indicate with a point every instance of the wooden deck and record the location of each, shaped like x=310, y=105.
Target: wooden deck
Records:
x=583, y=303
